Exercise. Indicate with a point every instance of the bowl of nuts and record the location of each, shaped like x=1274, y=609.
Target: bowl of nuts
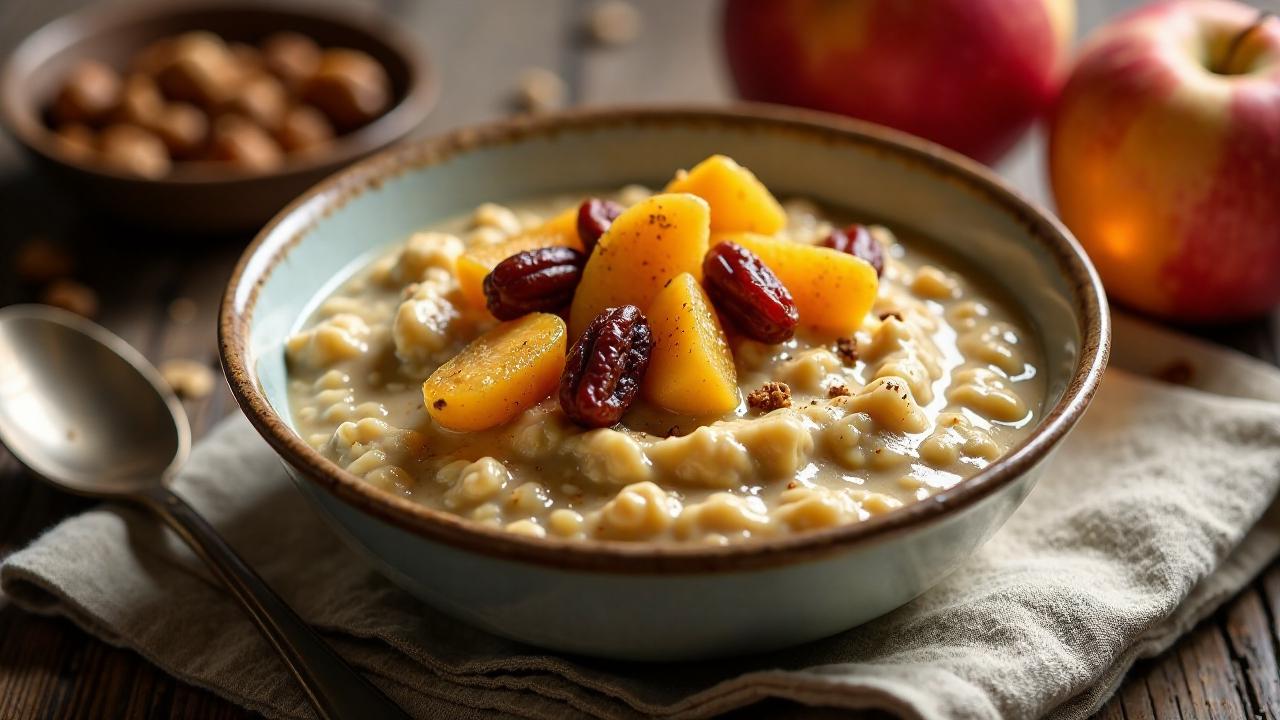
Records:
x=210, y=117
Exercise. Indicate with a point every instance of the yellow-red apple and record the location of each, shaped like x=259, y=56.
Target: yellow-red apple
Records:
x=970, y=74
x=1164, y=155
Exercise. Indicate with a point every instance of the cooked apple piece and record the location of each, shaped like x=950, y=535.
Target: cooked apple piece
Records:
x=739, y=202
x=648, y=244
x=476, y=262
x=691, y=368
x=832, y=290
x=499, y=375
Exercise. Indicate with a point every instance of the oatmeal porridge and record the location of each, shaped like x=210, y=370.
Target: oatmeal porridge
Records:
x=703, y=364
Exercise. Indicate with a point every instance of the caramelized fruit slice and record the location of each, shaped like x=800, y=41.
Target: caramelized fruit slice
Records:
x=476, y=262
x=499, y=375
x=691, y=369
x=647, y=245
x=739, y=202
x=832, y=290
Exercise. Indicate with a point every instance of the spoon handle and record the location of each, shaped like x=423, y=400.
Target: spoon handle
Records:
x=336, y=689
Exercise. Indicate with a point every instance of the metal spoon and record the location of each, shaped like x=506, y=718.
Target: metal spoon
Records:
x=85, y=411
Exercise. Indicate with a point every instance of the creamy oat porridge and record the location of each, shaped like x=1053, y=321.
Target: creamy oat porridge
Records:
x=623, y=396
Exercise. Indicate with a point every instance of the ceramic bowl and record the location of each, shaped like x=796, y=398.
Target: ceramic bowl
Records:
x=204, y=198
x=641, y=601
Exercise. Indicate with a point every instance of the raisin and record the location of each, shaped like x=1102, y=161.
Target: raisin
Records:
x=541, y=280
x=747, y=292
x=605, y=366
x=594, y=218
x=858, y=242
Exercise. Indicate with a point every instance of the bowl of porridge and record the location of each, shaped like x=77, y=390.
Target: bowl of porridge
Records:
x=665, y=384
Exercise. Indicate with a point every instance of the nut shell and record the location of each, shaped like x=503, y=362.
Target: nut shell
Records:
x=91, y=91
x=133, y=150
x=350, y=87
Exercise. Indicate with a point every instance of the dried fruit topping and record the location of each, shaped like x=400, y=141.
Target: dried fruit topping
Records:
x=605, y=366
x=594, y=218
x=541, y=280
x=746, y=291
x=858, y=242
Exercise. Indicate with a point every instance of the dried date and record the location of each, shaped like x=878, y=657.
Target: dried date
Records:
x=594, y=218
x=541, y=280
x=605, y=366
x=747, y=292
x=857, y=241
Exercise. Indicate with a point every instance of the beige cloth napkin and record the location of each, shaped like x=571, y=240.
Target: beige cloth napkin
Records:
x=1147, y=520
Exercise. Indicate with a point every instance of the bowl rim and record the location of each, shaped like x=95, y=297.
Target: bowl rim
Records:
x=397, y=122
x=293, y=223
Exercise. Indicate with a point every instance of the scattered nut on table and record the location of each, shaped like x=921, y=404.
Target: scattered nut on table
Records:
x=614, y=23
x=539, y=89
x=189, y=379
x=40, y=260
x=183, y=310
x=72, y=297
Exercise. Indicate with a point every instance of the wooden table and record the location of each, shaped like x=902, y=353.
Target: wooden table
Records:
x=1226, y=668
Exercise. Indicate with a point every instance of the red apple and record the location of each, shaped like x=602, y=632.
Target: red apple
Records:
x=1165, y=159
x=970, y=74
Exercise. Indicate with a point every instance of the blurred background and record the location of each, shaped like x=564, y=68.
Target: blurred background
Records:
x=159, y=288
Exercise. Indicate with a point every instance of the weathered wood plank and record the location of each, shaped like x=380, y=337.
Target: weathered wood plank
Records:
x=1248, y=629
x=1212, y=675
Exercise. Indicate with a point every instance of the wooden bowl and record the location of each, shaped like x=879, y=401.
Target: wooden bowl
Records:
x=204, y=197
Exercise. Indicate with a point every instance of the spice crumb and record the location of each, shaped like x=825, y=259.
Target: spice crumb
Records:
x=847, y=350
x=770, y=396
x=836, y=391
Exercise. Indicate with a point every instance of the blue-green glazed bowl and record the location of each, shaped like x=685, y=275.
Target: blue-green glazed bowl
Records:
x=639, y=601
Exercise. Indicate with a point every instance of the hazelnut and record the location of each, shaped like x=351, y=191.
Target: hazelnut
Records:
x=183, y=127
x=291, y=57
x=200, y=70
x=189, y=379
x=140, y=102
x=75, y=141
x=262, y=99
x=350, y=87
x=91, y=91
x=539, y=90
x=153, y=58
x=614, y=23
x=40, y=260
x=238, y=141
x=133, y=150
x=304, y=130
x=248, y=58
x=72, y=297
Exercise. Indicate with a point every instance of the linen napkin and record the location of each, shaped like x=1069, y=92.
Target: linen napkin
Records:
x=1156, y=510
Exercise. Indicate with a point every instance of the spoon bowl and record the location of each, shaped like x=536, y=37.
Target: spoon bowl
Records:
x=82, y=408
x=89, y=414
